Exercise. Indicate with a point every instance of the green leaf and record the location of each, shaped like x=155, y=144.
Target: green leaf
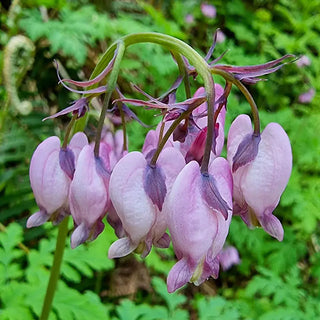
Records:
x=216, y=308
x=173, y=300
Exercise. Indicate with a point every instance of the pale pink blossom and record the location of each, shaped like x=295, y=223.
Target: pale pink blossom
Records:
x=137, y=192
x=228, y=257
x=199, y=214
x=208, y=10
x=89, y=197
x=307, y=97
x=258, y=184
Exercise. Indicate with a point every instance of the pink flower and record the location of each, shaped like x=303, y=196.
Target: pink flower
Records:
x=307, y=97
x=194, y=144
x=208, y=10
x=115, y=141
x=89, y=196
x=189, y=19
x=259, y=183
x=199, y=214
x=228, y=257
x=303, y=61
x=137, y=191
x=221, y=37
x=151, y=140
x=51, y=171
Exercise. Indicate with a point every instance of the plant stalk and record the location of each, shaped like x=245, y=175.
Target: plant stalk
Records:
x=110, y=87
x=55, y=270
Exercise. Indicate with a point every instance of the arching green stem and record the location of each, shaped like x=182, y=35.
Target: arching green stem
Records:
x=112, y=81
x=183, y=49
x=254, y=109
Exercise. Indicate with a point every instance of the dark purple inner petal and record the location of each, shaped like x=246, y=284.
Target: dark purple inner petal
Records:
x=246, y=152
x=180, y=133
x=67, y=161
x=211, y=195
x=154, y=185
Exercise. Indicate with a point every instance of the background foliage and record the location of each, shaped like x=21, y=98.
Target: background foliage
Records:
x=274, y=280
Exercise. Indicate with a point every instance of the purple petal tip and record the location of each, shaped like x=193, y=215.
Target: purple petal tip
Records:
x=67, y=161
x=211, y=195
x=154, y=185
x=246, y=152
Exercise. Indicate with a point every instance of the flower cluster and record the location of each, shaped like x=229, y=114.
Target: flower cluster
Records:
x=178, y=188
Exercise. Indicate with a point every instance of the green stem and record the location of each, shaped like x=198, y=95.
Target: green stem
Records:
x=254, y=109
x=110, y=87
x=68, y=131
x=184, y=72
x=55, y=270
x=183, y=49
x=208, y=146
x=167, y=136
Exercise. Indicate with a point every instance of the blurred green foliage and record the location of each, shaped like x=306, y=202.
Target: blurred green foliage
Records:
x=274, y=280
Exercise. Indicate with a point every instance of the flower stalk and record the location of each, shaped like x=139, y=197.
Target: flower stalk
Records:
x=110, y=87
x=55, y=270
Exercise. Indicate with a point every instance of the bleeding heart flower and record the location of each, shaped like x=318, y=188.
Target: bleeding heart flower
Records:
x=259, y=183
x=138, y=191
x=89, y=196
x=199, y=214
x=51, y=171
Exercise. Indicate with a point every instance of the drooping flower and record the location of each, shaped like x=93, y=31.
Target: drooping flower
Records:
x=208, y=10
x=137, y=191
x=51, y=171
x=307, y=97
x=199, y=214
x=259, y=183
x=89, y=197
x=228, y=257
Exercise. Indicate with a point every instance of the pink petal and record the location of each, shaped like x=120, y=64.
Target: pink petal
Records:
x=78, y=141
x=179, y=275
x=190, y=221
x=135, y=209
x=48, y=181
x=121, y=248
x=88, y=194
